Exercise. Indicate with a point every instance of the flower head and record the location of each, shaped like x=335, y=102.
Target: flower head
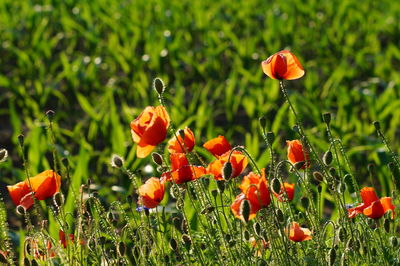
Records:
x=187, y=143
x=182, y=171
x=283, y=65
x=149, y=129
x=288, y=189
x=152, y=192
x=296, y=153
x=298, y=234
x=255, y=187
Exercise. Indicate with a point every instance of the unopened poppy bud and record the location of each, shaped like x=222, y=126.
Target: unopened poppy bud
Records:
x=305, y=202
x=318, y=176
x=65, y=162
x=332, y=256
x=246, y=235
x=257, y=228
x=394, y=241
x=326, y=117
x=299, y=165
x=157, y=158
x=186, y=239
x=121, y=248
x=3, y=155
x=386, y=225
x=21, y=140
x=270, y=138
x=177, y=222
x=20, y=210
x=327, y=158
x=377, y=125
x=276, y=185
x=348, y=180
x=228, y=237
x=58, y=199
x=50, y=115
x=221, y=186
x=173, y=244
x=280, y=217
x=227, y=171
x=373, y=251
x=117, y=161
x=245, y=210
x=158, y=85
x=147, y=212
x=341, y=188
x=263, y=122
x=27, y=261
x=342, y=234
x=214, y=193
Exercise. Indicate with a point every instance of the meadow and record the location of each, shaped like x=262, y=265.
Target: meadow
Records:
x=93, y=63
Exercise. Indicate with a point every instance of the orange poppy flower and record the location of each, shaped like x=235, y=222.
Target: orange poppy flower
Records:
x=182, y=171
x=39, y=252
x=255, y=188
x=221, y=149
x=372, y=206
x=289, y=188
x=152, y=192
x=175, y=146
x=149, y=129
x=235, y=207
x=296, y=153
x=298, y=234
x=63, y=239
x=283, y=65
x=44, y=185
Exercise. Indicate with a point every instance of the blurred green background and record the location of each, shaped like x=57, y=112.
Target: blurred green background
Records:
x=93, y=63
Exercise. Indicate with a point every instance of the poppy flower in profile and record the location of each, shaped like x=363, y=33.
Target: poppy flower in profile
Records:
x=255, y=188
x=372, y=206
x=187, y=143
x=221, y=149
x=289, y=189
x=149, y=129
x=151, y=193
x=283, y=65
x=298, y=234
x=43, y=186
x=295, y=153
x=235, y=207
x=182, y=171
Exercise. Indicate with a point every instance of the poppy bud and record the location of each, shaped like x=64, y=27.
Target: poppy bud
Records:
x=279, y=216
x=270, y=138
x=173, y=244
x=214, y=193
x=305, y=202
x=263, y=122
x=246, y=235
x=342, y=234
x=276, y=185
x=318, y=176
x=117, y=161
x=187, y=241
x=121, y=248
x=257, y=228
x=227, y=171
x=341, y=188
x=332, y=256
x=386, y=225
x=147, y=212
x=245, y=210
x=327, y=158
x=20, y=210
x=221, y=186
x=50, y=115
x=65, y=162
x=348, y=180
x=58, y=199
x=157, y=158
x=177, y=222
x=377, y=125
x=228, y=237
x=3, y=155
x=158, y=85
x=21, y=140
x=326, y=117
x=299, y=165
x=394, y=241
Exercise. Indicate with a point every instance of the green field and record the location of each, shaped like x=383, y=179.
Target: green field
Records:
x=93, y=63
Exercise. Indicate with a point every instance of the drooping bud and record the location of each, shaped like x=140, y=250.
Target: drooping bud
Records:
x=394, y=241
x=305, y=202
x=158, y=85
x=276, y=185
x=173, y=244
x=117, y=161
x=227, y=171
x=50, y=115
x=58, y=199
x=221, y=186
x=326, y=117
x=246, y=235
x=386, y=225
x=157, y=158
x=270, y=138
x=3, y=155
x=327, y=158
x=214, y=193
x=342, y=234
x=21, y=140
x=257, y=228
x=263, y=122
x=332, y=256
x=245, y=210
x=279, y=216
x=299, y=165
x=377, y=125
x=318, y=176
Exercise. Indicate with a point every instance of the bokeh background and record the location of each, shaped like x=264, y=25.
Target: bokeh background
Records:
x=93, y=63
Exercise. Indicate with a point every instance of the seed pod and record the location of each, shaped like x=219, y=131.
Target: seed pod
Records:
x=257, y=228
x=327, y=158
x=158, y=85
x=245, y=210
x=121, y=248
x=332, y=256
x=3, y=155
x=263, y=122
x=386, y=225
x=214, y=193
x=157, y=158
x=326, y=117
x=318, y=176
x=246, y=235
x=276, y=185
x=377, y=125
x=394, y=241
x=280, y=217
x=221, y=186
x=270, y=138
x=227, y=171
x=173, y=244
x=348, y=180
x=305, y=202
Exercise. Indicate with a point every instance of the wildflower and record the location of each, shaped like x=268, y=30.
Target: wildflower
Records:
x=258, y=245
x=42, y=186
x=283, y=65
x=297, y=154
x=63, y=240
x=179, y=145
x=222, y=150
x=149, y=129
x=152, y=192
x=286, y=188
x=235, y=207
x=255, y=188
x=182, y=171
x=372, y=206
x=298, y=234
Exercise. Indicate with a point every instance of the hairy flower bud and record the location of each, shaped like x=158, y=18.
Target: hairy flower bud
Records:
x=117, y=161
x=3, y=155
x=245, y=210
x=270, y=138
x=276, y=185
x=227, y=171
x=326, y=117
x=158, y=85
x=377, y=125
x=157, y=158
x=327, y=158
x=263, y=122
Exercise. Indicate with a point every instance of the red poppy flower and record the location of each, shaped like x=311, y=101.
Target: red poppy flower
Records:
x=296, y=153
x=175, y=146
x=372, y=206
x=298, y=233
x=149, y=129
x=221, y=149
x=44, y=185
x=289, y=188
x=182, y=171
x=255, y=188
x=63, y=240
x=283, y=65
x=151, y=192
x=235, y=207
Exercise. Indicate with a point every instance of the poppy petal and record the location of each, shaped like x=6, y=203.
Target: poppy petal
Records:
x=217, y=146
